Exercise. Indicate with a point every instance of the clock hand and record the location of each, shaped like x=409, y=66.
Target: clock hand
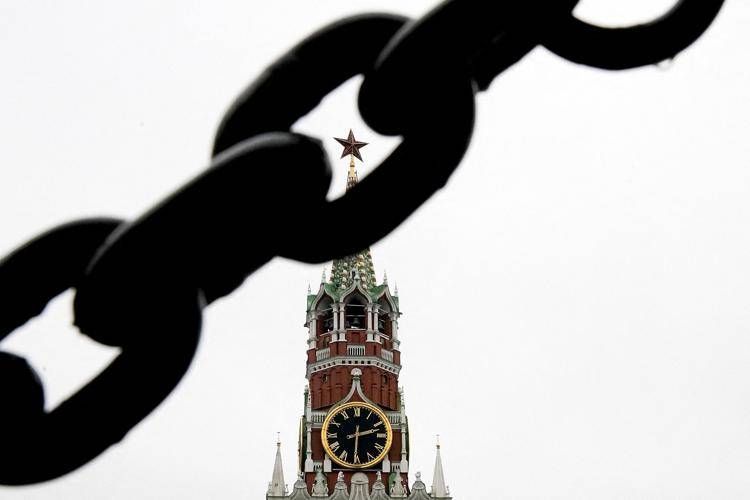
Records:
x=363, y=433
x=356, y=441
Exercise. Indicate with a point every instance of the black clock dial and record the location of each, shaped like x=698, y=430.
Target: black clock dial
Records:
x=357, y=435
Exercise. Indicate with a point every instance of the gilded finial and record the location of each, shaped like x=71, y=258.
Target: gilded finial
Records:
x=352, y=167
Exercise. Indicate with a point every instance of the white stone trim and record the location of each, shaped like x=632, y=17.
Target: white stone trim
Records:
x=356, y=350
x=353, y=361
x=322, y=354
x=394, y=417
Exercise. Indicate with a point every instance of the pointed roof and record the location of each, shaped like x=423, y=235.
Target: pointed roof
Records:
x=344, y=271
x=354, y=272
x=277, y=487
x=439, y=488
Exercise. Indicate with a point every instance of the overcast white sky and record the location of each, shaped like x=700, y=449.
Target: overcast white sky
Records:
x=576, y=320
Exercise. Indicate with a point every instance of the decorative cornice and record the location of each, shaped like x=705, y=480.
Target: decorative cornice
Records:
x=358, y=361
x=397, y=420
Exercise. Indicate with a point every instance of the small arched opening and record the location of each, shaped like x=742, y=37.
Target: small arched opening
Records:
x=324, y=313
x=355, y=314
x=384, y=317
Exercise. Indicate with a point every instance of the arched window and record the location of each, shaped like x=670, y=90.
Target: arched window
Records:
x=384, y=322
x=325, y=315
x=356, y=312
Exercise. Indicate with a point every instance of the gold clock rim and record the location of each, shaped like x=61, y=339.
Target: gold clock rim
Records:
x=333, y=411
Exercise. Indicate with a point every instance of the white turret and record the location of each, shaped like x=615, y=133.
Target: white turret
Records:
x=439, y=488
x=277, y=488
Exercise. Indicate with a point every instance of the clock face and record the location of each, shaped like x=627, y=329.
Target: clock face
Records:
x=356, y=435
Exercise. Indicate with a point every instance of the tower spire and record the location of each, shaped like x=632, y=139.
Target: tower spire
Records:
x=345, y=270
x=439, y=489
x=351, y=177
x=277, y=487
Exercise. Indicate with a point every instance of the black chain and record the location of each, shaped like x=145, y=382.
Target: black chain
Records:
x=142, y=285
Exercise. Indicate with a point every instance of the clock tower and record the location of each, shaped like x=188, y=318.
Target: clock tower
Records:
x=354, y=432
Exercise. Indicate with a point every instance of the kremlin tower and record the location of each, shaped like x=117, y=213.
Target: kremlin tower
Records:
x=354, y=432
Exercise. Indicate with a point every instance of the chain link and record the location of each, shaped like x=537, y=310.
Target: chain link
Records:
x=142, y=285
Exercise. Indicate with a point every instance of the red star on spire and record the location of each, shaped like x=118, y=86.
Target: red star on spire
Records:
x=351, y=146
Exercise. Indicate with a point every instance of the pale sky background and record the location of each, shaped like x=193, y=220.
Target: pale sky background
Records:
x=576, y=320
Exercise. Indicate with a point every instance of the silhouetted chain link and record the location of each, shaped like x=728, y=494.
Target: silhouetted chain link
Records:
x=142, y=285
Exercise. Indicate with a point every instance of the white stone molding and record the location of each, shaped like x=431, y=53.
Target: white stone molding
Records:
x=313, y=328
x=369, y=316
x=339, y=491
x=320, y=487
x=360, y=487
x=394, y=417
x=397, y=488
x=352, y=361
x=335, y=313
x=300, y=490
x=418, y=490
x=378, y=489
x=322, y=354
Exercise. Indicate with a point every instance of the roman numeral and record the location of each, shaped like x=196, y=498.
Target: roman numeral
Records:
x=369, y=415
x=382, y=435
x=333, y=422
x=370, y=457
x=331, y=435
x=343, y=455
x=356, y=459
x=378, y=423
x=379, y=447
x=334, y=446
x=344, y=414
x=357, y=411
